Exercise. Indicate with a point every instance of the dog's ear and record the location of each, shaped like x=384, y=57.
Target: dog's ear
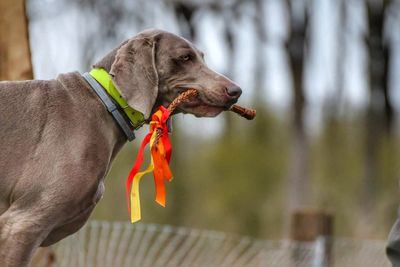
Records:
x=134, y=73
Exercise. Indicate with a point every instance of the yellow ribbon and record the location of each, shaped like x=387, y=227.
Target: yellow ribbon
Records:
x=135, y=197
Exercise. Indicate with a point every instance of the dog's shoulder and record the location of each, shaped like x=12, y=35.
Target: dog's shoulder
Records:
x=71, y=80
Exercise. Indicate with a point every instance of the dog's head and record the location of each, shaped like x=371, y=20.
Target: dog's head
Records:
x=155, y=66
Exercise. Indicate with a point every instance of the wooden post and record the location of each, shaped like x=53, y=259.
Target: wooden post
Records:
x=15, y=55
x=312, y=226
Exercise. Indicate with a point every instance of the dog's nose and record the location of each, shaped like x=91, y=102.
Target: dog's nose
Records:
x=233, y=91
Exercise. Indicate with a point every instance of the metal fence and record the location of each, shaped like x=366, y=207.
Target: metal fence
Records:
x=105, y=244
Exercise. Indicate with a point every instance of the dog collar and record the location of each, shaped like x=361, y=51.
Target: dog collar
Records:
x=102, y=77
x=102, y=85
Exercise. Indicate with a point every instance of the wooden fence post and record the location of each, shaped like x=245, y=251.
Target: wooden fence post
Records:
x=312, y=226
x=15, y=55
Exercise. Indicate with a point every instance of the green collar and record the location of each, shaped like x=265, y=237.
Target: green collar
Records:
x=101, y=76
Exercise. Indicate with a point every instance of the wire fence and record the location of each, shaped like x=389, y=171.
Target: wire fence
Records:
x=105, y=244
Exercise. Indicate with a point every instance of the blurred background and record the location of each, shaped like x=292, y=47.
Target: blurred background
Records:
x=324, y=76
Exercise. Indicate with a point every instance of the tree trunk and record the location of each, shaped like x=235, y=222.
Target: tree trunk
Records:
x=298, y=180
x=15, y=55
x=379, y=111
x=259, y=61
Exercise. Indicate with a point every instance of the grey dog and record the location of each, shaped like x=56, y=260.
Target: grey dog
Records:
x=57, y=139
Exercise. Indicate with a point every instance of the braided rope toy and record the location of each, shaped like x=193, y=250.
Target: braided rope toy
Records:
x=160, y=148
x=242, y=111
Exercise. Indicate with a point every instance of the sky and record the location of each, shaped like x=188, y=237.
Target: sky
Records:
x=56, y=29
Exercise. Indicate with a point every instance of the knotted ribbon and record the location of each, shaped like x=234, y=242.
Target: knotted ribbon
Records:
x=160, y=148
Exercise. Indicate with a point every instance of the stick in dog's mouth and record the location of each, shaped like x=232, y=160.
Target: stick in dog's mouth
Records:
x=247, y=113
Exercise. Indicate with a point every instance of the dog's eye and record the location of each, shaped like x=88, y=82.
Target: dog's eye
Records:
x=186, y=57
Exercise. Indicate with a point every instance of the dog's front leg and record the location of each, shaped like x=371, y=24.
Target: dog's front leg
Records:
x=20, y=234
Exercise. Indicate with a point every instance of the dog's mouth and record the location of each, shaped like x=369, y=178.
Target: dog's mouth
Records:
x=200, y=105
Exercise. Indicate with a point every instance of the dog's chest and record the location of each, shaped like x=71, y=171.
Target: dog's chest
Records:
x=74, y=224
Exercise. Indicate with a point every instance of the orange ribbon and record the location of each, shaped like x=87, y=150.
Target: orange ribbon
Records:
x=161, y=149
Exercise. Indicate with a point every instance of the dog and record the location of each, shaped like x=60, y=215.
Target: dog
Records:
x=58, y=140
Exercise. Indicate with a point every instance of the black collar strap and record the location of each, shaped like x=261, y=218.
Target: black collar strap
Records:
x=111, y=106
